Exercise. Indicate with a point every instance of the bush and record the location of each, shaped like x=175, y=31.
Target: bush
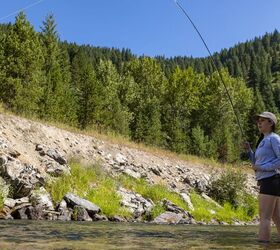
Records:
x=228, y=187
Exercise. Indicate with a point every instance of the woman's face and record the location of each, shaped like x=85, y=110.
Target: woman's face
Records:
x=264, y=125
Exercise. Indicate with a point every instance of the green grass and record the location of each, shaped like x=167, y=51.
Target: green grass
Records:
x=1, y=200
x=205, y=210
x=3, y=193
x=202, y=208
x=154, y=192
x=94, y=185
x=106, y=197
x=91, y=184
x=155, y=211
x=59, y=187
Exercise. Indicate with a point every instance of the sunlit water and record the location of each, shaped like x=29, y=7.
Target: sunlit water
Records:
x=24, y=235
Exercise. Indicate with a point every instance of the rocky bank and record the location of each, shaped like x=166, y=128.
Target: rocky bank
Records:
x=31, y=151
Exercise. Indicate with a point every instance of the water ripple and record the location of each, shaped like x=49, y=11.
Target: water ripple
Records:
x=27, y=235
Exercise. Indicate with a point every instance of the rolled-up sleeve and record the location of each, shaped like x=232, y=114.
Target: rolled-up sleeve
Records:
x=275, y=163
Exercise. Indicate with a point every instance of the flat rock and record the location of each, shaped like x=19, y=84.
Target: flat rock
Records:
x=168, y=218
x=74, y=200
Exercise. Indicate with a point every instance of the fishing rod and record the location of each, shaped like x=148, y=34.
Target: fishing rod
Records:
x=22, y=9
x=215, y=66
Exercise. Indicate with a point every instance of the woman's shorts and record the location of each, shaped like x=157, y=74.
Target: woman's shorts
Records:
x=270, y=185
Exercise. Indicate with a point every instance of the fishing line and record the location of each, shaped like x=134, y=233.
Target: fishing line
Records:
x=213, y=62
x=19, y=10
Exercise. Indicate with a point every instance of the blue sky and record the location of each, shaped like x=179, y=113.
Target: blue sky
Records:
x=152, y=27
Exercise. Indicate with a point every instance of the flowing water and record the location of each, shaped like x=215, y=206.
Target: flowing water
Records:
x=25, y=235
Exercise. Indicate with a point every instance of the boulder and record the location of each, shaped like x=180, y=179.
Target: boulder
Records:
x=35, y=212
x=9, y=202
x=198, y=181
x=168, y=218
x=55, y=169
x=22, y=177
x=54, y=154
x=74, y=200
x=20, y=214
x=80, y=214
x=132, y=173
x=134, y=202
x=171, y=207
x=66, y=216
x=117, y=218
x=20, y=210
x=65, y=213
x=3, y=159
x=99, y=217
x=120, y=159
x=187, y=199
x=41, y=198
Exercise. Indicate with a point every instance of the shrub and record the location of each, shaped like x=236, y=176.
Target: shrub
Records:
x=228, y=187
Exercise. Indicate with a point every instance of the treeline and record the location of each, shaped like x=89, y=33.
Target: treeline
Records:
x=257, y=61
x=150, y=100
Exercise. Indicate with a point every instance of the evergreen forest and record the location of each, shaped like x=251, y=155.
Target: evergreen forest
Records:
x=177, y=103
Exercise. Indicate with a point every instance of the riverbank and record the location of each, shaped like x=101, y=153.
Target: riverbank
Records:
x=106, y=181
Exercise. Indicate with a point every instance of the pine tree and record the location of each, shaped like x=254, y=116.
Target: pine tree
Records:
x=181, y=98
x=86, y=90
x=57, y=102
x=215, y=114
x=146, y=106
x=254, y=75
x=111, y=113
x=22, y=63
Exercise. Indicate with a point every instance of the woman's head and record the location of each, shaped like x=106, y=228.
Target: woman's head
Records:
x=266, y=122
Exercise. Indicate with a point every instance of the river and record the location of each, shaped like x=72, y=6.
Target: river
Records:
x=26, y=234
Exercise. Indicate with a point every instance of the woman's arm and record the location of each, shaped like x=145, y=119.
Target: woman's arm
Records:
x=275, y=163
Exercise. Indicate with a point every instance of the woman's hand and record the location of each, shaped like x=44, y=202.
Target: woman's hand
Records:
x=247, y=146
x=254, y=167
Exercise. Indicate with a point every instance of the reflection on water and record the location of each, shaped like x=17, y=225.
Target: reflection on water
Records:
x=25, y=235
